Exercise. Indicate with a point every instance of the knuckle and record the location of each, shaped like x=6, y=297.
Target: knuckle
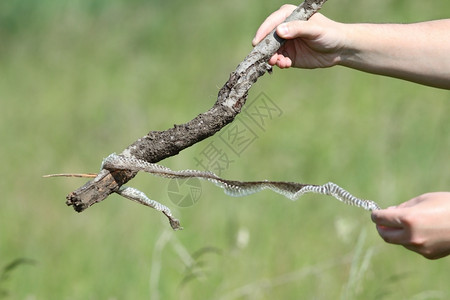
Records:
x=388, y=239
x=407, y=220
x=418, y=242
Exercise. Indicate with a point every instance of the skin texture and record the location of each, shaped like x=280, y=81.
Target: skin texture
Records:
x=421, y=224
x=416, y=52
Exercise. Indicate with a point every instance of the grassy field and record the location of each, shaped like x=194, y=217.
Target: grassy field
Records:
x=82, y=79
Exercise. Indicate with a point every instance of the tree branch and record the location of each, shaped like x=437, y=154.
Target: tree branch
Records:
x=157, y=145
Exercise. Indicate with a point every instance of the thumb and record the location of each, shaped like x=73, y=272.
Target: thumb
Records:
x=297, y=29
x=390, y=217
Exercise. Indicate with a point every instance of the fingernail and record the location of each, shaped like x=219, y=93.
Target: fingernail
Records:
x=283, y=29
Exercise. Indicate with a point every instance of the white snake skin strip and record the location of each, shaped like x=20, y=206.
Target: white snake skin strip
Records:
x=140, y=197
x=291, y=190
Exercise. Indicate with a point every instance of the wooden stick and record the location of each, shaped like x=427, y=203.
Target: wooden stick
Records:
x=157, y=145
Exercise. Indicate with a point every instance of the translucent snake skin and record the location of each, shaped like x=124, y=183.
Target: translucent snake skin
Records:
x=291, y=190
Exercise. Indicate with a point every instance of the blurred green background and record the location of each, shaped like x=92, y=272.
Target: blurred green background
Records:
x=81, y=79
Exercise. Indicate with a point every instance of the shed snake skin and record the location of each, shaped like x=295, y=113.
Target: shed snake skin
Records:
x=291, y=190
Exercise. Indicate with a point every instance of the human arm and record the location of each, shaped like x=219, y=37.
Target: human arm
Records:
x=421, y=224
x=416, y=52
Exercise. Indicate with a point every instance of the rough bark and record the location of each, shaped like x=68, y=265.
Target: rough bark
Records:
x=157, y=145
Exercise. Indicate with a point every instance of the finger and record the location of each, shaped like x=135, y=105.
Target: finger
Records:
x=424, y=252
x=284, y=61
x=428, y=253
x=271, y=22
x=273, y=60
x=390, y=217
x=392, y=235
x=281, y=59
